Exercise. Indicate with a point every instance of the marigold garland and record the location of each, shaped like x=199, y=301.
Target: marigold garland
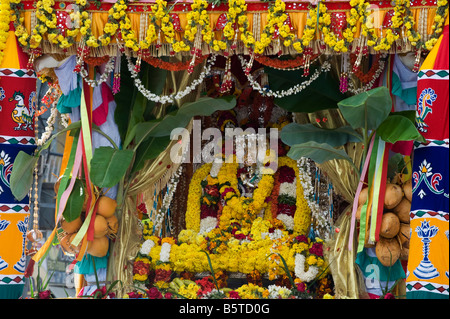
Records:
x=161, y=22
x=5, y=14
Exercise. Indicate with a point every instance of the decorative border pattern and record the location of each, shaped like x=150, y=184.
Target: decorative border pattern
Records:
x=414, y=286
x=11, y=279
x=18, y=73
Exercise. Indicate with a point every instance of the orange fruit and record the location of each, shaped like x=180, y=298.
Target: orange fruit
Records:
x=98, y=247
x=100, y=226
x=106, y=206
x=71, y=227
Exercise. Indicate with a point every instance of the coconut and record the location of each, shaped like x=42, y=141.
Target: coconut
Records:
x=393, y=196
x=390, y=225
x=98, y=247
x=113, y=224
x=363, y=196
x=387, y=251
x=402, y=210
x=67, y=246
x=100, y=226
x=106, y=206
x=407, y=189
x=71, y=227
x=404, y=234
x=404, y=253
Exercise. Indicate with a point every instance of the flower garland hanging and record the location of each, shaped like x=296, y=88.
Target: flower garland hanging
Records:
x=45, y=23
x=160, y=21
x=169, y=98
x=318, y=218
x=5, y=14
x=194, y=197
x=302, y=215
x=50, y=100
x=439, y=20
x=325, y=67
x=310, y=258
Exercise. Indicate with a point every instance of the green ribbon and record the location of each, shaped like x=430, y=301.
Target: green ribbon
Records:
x=377, y=185
x=362, y=221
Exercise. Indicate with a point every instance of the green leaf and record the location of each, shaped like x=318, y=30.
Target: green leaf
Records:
x=410, y=115
x=74, y=205
x=394, y=164
x=149, y=149
x=318, y=152
x=204, y=106
x=109, y=166
x=399, y=128
x=295, y=133
x=368, y=109
x=132, y=107
x=21, y=178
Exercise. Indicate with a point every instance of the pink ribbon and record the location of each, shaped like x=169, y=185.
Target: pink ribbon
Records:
x=76, y=167
x=358, y=191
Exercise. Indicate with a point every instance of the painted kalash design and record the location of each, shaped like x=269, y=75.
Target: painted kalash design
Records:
x=23, y=114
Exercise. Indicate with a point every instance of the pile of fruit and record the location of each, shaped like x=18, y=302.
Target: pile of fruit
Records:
x=105, y=226
x=394, y=232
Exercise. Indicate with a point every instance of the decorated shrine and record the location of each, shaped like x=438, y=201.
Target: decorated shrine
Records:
x=225, y=149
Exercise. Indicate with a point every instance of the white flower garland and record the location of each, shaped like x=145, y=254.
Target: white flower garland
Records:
x=65, y=118
x=50, y=125
x=325, y=67
x=164, y=255
x=147, y=247
x=276, y=292
x=322, y=219
x=103, y=78
x=289, y=189
x=170, y=98
x=287, y=220
x=207, y=224
x=299, y=269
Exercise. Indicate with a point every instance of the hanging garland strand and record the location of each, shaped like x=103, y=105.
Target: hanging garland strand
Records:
x=160, y=23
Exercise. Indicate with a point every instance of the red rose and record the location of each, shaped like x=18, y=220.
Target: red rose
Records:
x=134, y=295
x=301, y=287
x=154, y=293
x=234, y=295
x=44, y=294
x=389, y=296
x=168, y=295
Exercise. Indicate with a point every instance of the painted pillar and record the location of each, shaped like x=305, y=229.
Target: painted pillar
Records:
x=18, y=101
x=428, y=262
